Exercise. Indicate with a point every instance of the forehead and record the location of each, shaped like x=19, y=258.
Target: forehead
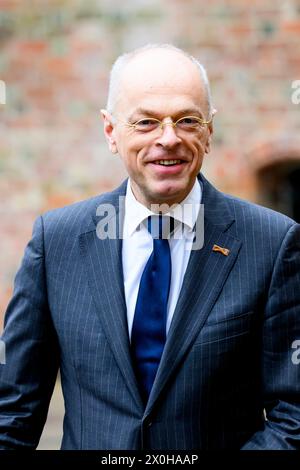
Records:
x=164, y=81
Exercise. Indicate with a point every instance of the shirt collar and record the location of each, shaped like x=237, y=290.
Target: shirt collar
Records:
x=186, y=212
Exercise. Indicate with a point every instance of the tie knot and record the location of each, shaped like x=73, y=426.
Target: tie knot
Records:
x=160, y=226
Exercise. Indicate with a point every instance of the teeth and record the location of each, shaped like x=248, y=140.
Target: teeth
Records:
x=169, y=162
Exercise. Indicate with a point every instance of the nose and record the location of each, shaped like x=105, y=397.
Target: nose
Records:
x=168, y=137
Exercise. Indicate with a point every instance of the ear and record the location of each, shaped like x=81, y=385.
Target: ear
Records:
x=210, y=129
x=109, y=130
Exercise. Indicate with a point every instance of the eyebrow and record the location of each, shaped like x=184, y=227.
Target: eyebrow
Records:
x=150, y=113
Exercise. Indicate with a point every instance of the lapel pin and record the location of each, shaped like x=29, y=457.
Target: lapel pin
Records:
x=222, y=250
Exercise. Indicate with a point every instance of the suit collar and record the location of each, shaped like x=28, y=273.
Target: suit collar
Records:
x=115, y=199
x=216, y=210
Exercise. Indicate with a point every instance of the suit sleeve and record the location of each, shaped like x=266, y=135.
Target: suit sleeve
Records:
x=32, y=355
x=280, y=364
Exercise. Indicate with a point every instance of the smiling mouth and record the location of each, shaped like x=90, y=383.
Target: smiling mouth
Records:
x=168, y=162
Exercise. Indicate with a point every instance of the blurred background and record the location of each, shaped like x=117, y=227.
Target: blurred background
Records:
x=55, y=57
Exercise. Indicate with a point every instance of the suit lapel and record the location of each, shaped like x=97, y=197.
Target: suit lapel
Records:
x=103, y=259
x=206, y=274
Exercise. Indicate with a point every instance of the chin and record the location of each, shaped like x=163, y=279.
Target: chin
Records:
x=167, y=194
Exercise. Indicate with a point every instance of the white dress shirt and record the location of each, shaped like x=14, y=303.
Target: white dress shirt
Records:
x=138, y=245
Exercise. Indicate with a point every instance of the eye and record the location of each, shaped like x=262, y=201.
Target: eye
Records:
x=189, y=122
x=146, y=125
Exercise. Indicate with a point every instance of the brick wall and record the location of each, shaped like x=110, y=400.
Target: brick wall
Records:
x=55, y=57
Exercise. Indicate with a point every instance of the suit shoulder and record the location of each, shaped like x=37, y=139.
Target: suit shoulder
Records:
x=77, y=209
x=73, y=218
x=248, y=212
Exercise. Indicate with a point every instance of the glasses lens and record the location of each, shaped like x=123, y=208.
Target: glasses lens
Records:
x=147, y=125
x=189, y=123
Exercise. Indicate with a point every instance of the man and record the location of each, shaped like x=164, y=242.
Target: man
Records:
x=161, y=344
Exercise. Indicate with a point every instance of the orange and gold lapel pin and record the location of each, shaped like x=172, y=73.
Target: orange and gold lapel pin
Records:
x=224, y=251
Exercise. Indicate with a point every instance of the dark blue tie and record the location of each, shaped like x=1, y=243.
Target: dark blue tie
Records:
x=148, y=334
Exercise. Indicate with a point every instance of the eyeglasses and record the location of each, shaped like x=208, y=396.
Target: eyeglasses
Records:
x=185, y=123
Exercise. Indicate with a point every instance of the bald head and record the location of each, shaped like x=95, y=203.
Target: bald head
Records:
x=158, y=67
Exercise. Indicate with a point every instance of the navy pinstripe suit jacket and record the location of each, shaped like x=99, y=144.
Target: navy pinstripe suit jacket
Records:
x=228, y=355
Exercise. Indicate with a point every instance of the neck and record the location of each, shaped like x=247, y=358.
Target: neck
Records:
x=159, y=204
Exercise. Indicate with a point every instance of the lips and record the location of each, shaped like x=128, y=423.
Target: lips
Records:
x=167, y=166
x=168, y=162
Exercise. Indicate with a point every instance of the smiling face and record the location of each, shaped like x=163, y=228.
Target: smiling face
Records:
x=162, y=164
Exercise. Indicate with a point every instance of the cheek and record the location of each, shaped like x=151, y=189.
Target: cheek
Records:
x=139, y=155
x=197, y=148
x=133, y=157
